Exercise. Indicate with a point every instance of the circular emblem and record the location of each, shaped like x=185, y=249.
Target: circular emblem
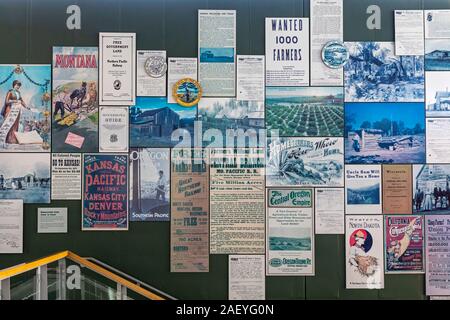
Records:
x=113, y=138
x=335, y=54
x=187, y=92
x=362, y=238
x=275, y=262
x=117, y=84
x=155, y=66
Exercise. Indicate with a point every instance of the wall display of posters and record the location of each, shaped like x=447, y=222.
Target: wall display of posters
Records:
x=52, y=220
x=375, y=74
x=409, y=33
x=25, y=176
x=105, y=192
x=305, y=161
x=235, y=120
x=305, y=111
x=11, y=226
x=237, y=202
x=437, y=103
x=151, y=73
x=154, y=122
x=404, y=244
x=25, y=109
x=149, y=184
x=437, y=55
x=437, y=24
x=290, y=232
x=189, y=222
x=329, y=210
x=438, y=144
x=117, y=68
x=364, y=252
x=431, y=188
x=217, y=52
x=437, y=237
x=246, y=277
x=75, y=99
x=113, y=129
x=397, y=189
x=287, y=51
x=363, y=189
x=384, y=133
x=250, y=77
x=177, y=69
x=66, y=176
x=326, y=26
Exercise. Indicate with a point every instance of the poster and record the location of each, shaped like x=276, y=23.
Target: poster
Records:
x=25, y=108
x=151, y=73
x=438, y=144
x=189, y=219
x=329, y=210
x=250, y=77
x=52, y=220
x=75, y=99
x=156, y=123
x=404, y=244
x=437, y=102
x=384, y=133
x=375, y=74
x=179, y=68
x=290, y=232
x=305, y=111
x=437, y=238
x=237, y=202
x=105, y=192
x=11, y=226
x=217, y=52
x=117, y=68
x=287, y=52
x=363, y=189
x=305, y=161
x=409, y=32
x=66, y=176
x=149, y=184
x=326, y=25
x=437, y=24
x=364, y=252
x=431, y=188
x=25, y=176
x=113, y=129
x=246, y=277
x=397, y=189
x=437, y=55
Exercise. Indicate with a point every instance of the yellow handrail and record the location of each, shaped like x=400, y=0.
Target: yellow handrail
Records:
x=10, y=272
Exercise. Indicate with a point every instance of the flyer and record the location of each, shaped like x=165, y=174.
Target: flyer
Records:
x=52, y=220
x=151, y=73
x=437, y=144
x=237, y=201
x=66, y=176
x=149, y=184
x=326, y=25
x=179, y=68
x=290, y=232
x=113, y=129
x=363, y=189
x=364, y=252
x=437, y=24
x=250, y=77
x=404, y=244
x=437, y=239
x=287, y=51
x=11, y=226
x=105, y=192
x=329, y=210
x=246, y=277
x=217, y=52
x=117, y=68
x=75, y=99
x=397, y=188
x=409, y=32
x=189, y=219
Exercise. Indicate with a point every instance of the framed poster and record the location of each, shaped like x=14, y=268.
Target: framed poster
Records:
x=66, y=176
x=113, y=129
x=11, y=226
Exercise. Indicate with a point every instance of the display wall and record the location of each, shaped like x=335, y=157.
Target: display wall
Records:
x=29, y=30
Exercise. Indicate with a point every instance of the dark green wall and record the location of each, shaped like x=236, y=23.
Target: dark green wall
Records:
x=29, y=29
